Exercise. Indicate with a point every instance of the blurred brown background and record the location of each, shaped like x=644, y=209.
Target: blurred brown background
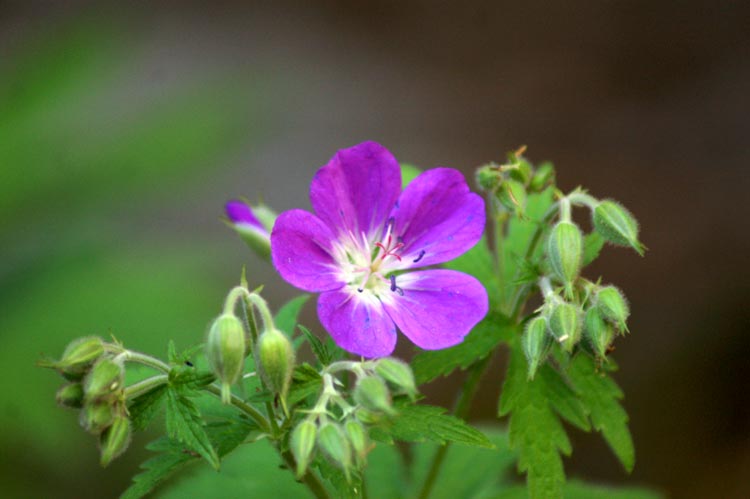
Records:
x=645, y=102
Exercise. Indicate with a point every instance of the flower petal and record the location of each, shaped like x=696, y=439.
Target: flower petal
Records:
x=301, y=251
x=240, y=213
x=438, y=215
x=356, y=190
x=438, y=307
x=357, y=323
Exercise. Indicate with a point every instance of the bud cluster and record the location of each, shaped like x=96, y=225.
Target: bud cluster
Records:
x=96, y=385
x=337, y=425
x=511, y=183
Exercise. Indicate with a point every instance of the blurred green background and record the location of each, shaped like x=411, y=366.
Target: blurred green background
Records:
x=124, y=128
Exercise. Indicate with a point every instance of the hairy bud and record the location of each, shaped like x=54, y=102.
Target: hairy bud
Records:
x=275, y=360
x=79, y=355
x=371, y=393
x=398, y=373
x=536, y=343
x=253, y=224
x=70, y=395
x=617, y=225
x=544, y=175
x=302, y=444
x=512, y=195
x=358, y=438
x=96, y=417
x=565, y=325
x=489, y=177
x=225, y=350
x=333, y=442
x=613, y=306
x=598, y=331
x=115, y=440
x=565, y=252
x=105, y=378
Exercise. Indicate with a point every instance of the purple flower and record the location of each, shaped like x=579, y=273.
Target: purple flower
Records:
x=245, y=220
x=361, y=248
x=241, y=215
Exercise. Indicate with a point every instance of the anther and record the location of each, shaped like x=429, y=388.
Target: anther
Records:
x=396, y=288
x=421, y=254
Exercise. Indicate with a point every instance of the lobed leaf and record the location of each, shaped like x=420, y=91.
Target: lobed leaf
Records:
x=184, y=424
x=479, y=262
x=480, y=342
x=421, y=423
x=321, y=352
x=144, y=408
x=601, y=395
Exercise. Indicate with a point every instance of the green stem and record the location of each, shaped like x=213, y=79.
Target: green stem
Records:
x=461, y=410
x=146, y=385
x=139, y=358
x=248, y=409
x=310, y=479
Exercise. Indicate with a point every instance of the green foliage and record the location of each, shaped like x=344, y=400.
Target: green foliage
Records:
x=482, y=340
x=286, y=318
x=144, y=408
x=575, y=489
x=408, y=173
x=592, y=246
x=185, y=424
x=422, y=423
x=535, y=429
x=480, y=263
x=321, y=351
x=601, y=396
x=225, y=436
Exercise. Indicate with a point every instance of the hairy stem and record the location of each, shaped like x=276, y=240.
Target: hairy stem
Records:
x=248, y=409
x=310, y=479
x=145, y=386
x=461, y=410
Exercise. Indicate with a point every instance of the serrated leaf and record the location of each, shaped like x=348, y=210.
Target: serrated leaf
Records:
x=318, y=348
x=421, y=423
x=143, y=408
x=225, y=436
x=184, y=424
x=480, y=263
x=190, y=378
x=466, y=472
x=336, y=479
x=593, y=243
x=563, y=398
x=535, y=430
x=286, y=317
x=429, y=364
x=600, y=395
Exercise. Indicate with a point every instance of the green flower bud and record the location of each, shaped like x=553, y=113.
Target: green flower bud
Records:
x=565, y=325
x=371, y=393
x=225, y=350
x=275, y=361
x=520, y=170
x=70, y=395
x=543, y=176
x=598, y=331
x=302, y=444
x=536, y=343
x=368, y=417
x=398, y=373
x=96, y=417
x=115, y=440
x=617, y=225
x=358, y=438
x=512, y=195
x=565, y=252
x=488, y=177
x=78, y=357
x=105, y=378
x=333, y=442
x=613, y=306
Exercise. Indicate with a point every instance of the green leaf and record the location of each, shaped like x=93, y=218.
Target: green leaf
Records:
x=579, y=490
x=480, y=263
x=600, y=395
x=250, y=471
x=184, y=424
x=144, y=408
x=286, y=317
x=429, y=364
x=188, y=377
x=593, y=243
x=386, y=472
x=408, y=173
x=535, y=430
x=466, y=472
x=563, y=398
x=319, y=349
x=225, y=437
x=421, y=423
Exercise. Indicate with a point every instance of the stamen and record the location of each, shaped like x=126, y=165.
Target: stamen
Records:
x=421, y=254
x=361, y=287
x=396, y=288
